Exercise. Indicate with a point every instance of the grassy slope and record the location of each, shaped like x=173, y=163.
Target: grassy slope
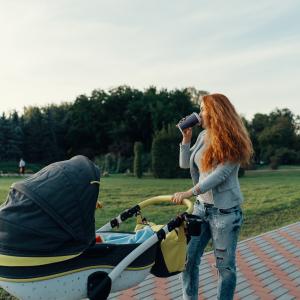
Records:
x=272, y=199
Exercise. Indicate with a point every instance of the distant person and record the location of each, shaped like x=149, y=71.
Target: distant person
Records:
x=214, y=161
x=22, y=165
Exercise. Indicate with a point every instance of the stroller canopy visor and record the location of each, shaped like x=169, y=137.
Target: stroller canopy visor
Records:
x=51, y=213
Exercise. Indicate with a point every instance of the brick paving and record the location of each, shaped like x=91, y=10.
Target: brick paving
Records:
x=268, y=267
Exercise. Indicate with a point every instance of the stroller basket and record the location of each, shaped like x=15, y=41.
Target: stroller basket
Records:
x=105, y=256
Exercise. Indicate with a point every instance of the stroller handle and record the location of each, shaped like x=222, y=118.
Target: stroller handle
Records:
x=134, y=210
x=166, y=198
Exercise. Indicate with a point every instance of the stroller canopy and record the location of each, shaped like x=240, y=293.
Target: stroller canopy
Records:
x=51, y=213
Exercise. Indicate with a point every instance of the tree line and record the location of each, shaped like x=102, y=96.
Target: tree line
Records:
x=106, y=124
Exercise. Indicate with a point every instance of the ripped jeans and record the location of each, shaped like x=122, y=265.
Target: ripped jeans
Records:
x=223, y=228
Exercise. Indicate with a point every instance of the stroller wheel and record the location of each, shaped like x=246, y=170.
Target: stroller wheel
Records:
x=98, y=286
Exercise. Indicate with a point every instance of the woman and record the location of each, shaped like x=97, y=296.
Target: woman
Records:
x=214, y=161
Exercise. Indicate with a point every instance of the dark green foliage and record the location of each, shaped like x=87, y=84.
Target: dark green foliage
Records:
x=274, y=162
x=44, y=133
x=11, y=137
x=165, y=153
x=241, y=172
x=111, y=121
x=286, y=156
x=269, y=133
x=147, y=162
x=115, y=163
x=108, y=162
x=137, y=163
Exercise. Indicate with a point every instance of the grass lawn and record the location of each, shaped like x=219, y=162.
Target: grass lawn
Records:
x=272, y=199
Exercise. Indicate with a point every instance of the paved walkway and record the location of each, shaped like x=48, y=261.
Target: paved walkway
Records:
x=268, y=268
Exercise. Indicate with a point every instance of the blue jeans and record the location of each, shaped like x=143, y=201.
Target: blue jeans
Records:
x=223, y=228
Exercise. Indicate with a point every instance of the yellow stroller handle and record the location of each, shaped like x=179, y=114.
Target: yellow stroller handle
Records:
x=166, y=198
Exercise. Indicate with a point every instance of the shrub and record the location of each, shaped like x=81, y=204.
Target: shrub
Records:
x=298, y=157
x=146, y=162
x=113, y=163
x=108, y=162
x=165, y=152
x=137, y=164
x=241, y=172
x=251, y=166
x=286, y=156
x=274, y=162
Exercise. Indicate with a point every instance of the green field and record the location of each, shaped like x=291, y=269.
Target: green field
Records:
x=272, y=199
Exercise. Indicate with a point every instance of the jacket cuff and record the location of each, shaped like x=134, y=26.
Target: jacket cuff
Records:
x=185, y=145
x=196, y=190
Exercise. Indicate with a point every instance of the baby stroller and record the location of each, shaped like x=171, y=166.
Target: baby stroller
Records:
x=48, y=247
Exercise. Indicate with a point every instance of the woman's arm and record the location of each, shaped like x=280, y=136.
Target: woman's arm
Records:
x=184, y=154
x=186, y=149
x=219, y=175
x=216, y=177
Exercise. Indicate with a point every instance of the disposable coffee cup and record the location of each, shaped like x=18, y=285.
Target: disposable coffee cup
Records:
x=189, y=121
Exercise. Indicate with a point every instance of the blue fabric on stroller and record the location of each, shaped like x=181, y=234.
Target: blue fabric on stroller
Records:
x=127, y=238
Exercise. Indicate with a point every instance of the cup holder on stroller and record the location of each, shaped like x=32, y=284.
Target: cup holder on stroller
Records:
x=193, y=225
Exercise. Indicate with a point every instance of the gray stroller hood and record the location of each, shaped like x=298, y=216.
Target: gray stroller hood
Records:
x=51, y=213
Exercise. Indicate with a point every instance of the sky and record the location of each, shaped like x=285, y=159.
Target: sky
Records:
x=53, y=51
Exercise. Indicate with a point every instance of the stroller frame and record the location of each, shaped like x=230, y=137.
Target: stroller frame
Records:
x=98, y=283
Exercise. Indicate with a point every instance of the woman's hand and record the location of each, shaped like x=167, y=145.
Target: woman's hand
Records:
x=178, y=197
x=98, y=205
x=187, y=135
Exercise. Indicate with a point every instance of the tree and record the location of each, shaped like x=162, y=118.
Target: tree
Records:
x=258, y=124
x=279, y=132
x=11, y=137
x=195, y=95
x=17, y=136
x=49, y=144
x=3, y=126
x=169, y=107
x=82, y=116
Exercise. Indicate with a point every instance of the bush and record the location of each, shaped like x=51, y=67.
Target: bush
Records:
x=241, y=172
x=298, y=157
x=274, y=162
x=112, y=163
x=286, y=156
x=137, y=164
x=108, y=163
x=165, y=153
x=267, y=153
x=146, y=162
x=251, y=166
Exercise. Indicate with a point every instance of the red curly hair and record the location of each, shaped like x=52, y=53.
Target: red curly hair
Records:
x=227, y=138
